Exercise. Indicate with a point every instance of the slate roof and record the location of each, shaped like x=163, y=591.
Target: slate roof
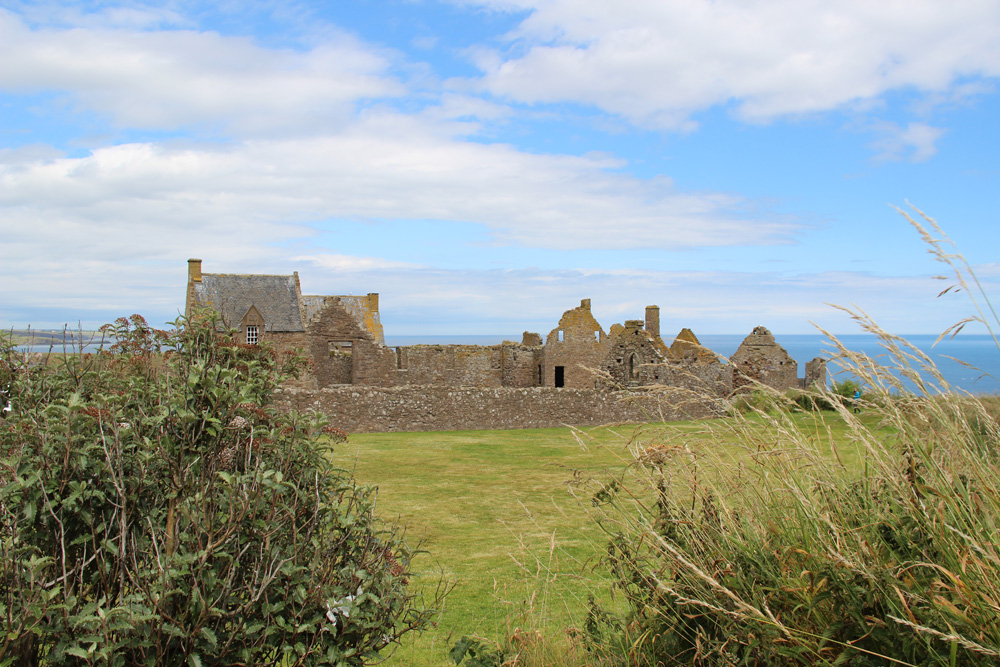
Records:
x=232, y=295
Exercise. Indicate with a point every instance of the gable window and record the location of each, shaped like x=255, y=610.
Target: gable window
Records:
x=253, y=334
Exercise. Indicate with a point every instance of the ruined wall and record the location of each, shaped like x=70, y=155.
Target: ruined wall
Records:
x=505, y=365
x=520, y=365
x=577, y=343
x=760, y=359
x=450, y=365
x=634, y=357
x=373, y=364
x=431, y=408
x=815, y=373
x=344, y=340
x=714, y=379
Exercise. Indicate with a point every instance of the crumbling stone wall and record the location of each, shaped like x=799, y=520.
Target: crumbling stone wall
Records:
x=520, y=364
x=711, y=380
x=576, y=344
x=343, y=337
x=634, y=356
x=345, y=341
x=436, y=408
x=450, y=365
x=760, y=359
x=687, y=347
x=815, y=373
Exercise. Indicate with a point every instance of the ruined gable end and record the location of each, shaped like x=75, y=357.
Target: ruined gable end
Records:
x=575, y=346
x=761, y=359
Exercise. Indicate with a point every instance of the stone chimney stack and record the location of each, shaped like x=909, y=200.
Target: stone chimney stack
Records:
x=194, y=270
x=653, y=320
x=585, y=304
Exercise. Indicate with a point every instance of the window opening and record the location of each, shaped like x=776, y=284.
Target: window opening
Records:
x=340, y=348
x=253, y=334
x=560, y=376
x=559, y=336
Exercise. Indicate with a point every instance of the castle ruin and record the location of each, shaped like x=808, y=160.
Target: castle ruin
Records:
x=576, y=375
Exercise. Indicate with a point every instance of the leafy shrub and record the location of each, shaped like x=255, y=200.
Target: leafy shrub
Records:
x=155, y=509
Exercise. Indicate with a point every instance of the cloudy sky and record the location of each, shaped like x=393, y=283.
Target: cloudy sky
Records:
x=485, y=164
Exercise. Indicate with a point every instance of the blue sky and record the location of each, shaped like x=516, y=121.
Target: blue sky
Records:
x=485, y=164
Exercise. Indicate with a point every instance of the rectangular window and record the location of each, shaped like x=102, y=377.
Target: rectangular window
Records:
x=253, y=334
x=340, y=348
x=560, y=376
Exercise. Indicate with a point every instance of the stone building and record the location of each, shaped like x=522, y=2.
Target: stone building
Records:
x=343, y=337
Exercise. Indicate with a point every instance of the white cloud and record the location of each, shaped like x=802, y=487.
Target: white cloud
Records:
x=657, y=63
x=174, y=78
x=388, y=167
x=915, y=142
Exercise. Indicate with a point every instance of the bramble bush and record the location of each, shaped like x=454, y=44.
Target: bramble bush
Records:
x=155, y=509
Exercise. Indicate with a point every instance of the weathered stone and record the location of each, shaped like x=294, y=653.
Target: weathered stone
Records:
x=565, y=379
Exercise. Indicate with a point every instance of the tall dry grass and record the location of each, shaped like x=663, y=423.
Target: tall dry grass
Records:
x=794, y=550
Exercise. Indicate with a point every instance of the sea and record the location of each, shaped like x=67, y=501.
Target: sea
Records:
x=980, y=352
x=979, y=374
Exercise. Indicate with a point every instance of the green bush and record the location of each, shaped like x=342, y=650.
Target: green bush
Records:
x=155, y=509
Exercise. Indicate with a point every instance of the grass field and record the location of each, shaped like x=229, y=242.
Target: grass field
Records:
x=506, y=517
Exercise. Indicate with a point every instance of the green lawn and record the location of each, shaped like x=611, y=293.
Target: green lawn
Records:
x=506, y=517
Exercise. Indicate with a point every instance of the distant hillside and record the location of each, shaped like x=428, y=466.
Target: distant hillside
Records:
x=54, y=337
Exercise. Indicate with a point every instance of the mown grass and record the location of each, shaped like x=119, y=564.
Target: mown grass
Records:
x=507, y=518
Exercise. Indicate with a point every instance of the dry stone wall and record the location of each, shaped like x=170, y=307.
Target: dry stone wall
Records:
x=434, y=408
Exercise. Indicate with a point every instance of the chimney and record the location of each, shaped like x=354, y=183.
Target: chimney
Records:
x=298, y=285
x=194, y=270
x=373, y=301
x=585, y=304
x=653, y=320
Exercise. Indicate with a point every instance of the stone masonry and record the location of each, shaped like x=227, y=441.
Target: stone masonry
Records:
x=578, y=375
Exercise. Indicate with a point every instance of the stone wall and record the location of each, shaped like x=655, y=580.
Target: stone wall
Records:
x=450, y=365
x=714, y=379
x=578, y=343
x=815, y=373
x=521, y=365
x=760, y=359
x=428, y=408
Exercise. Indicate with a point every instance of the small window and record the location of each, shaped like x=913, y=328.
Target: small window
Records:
x=560, y=376
x=560, y=336
x=253, y=334
x=597, y=336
